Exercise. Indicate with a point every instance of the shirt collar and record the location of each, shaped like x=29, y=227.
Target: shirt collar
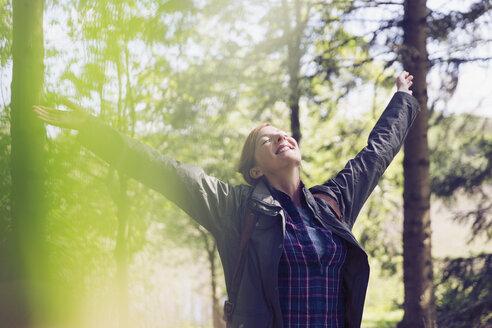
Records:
x=283, y=198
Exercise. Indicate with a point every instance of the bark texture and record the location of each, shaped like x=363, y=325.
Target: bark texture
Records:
x=417, y=261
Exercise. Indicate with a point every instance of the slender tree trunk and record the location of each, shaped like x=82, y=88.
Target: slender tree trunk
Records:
x=122, y=203
x=417, y=260
x=293, y=62
x=25, y=264
x=121, y=251
x=129, y=94
x=218, y=321
x=211, y=248
x=294, y=54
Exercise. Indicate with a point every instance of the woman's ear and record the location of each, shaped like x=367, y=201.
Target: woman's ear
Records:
x=255, y=172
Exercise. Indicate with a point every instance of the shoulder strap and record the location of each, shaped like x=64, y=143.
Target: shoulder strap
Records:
x=248, y=227
x=332, y=203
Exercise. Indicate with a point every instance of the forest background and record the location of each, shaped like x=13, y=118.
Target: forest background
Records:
x=191, y=78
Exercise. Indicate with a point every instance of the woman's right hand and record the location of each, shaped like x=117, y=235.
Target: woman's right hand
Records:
x=404, y=82
x=73, y=118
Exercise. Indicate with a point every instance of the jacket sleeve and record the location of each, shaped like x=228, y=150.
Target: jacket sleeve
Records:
x=206, y=199
x=353, y=185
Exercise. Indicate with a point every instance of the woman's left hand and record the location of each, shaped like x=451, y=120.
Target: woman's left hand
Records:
x=74, y=118
x=404, y=82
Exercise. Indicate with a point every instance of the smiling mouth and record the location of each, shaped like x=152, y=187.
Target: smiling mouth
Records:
x=282, y=149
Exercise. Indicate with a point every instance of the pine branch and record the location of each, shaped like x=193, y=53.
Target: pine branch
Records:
x=440, y=25
x=458, y=61
x=365, y=4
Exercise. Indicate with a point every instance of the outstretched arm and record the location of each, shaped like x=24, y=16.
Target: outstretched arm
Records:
x=353, y=185
x=208, y=200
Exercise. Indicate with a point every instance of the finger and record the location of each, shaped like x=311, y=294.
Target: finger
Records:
x=39, y=111
x=42, y=114
x=48, y=113
x=50, y=109
x=51, y=119
x=53, y=113
x=37, y=108
x=44, y=109
x=45, y=114
x=45, y=118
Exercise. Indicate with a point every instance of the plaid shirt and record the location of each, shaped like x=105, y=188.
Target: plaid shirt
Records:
x=310, y=290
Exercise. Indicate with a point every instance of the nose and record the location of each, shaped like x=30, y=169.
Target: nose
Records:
x=280, y=137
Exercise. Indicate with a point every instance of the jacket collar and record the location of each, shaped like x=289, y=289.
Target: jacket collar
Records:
x=262, y=200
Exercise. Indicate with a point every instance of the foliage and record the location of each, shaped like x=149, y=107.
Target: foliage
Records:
x=443, y=25
x=5, y=32
x=5, y=180
x=455, y=37
x=464, y=165
x=464, y=292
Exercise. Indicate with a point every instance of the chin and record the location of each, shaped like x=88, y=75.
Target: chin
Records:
x=296, y=160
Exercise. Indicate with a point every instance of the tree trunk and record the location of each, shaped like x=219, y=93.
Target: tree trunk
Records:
x=293, y=38
x=218, y=321
x=121, y=251
x=122, y=202
x=26, y=258
x=211, y=248
x=417, y=260
x=129, y=94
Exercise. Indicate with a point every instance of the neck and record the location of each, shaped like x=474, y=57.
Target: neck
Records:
x=288, y=183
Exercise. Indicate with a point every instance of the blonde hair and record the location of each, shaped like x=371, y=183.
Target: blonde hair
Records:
x=247, y=160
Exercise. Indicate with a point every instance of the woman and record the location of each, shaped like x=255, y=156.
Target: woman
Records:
x=303, y=267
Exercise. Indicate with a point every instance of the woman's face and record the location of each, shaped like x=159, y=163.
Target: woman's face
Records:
x=275, y=150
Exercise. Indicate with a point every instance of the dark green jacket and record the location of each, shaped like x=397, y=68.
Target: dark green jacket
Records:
x=220, y=208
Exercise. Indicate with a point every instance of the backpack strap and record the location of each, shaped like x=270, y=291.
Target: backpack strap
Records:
x=248, y=227
x=332, y=203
